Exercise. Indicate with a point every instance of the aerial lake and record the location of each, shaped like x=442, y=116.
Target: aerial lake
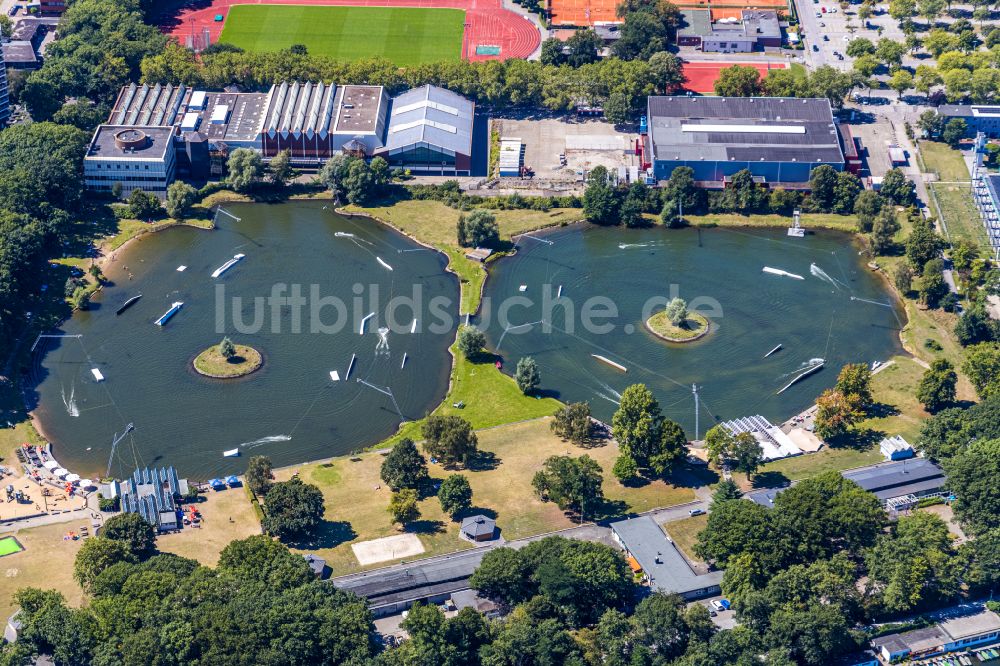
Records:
x=830, y=307
x=291, y=409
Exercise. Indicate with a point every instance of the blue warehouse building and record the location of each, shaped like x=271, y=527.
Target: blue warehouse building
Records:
x=779, y=139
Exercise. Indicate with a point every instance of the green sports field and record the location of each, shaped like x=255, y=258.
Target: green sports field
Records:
x=9, y=545
x=404, y=35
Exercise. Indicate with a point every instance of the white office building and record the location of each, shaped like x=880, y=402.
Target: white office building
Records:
x=137, y=157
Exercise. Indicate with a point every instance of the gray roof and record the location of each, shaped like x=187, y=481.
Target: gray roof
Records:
x=318, y=108
x=894, y=479
x=104, y=145
x=762, y=23
x=479, y=525
x=415, y=581
x=966, y=110
x=764, y=497
x=20, y=53
x=804, y=130
x=666, y=568
x=695, y=22
x=434, y=116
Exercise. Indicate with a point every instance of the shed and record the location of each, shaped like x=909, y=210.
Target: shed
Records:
x=479, y=528
x=479, y=254
x=316, y=564
x=896, y=448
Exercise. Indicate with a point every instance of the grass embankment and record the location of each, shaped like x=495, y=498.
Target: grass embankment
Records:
x=692, y=328
x=434, y=223
x=356, y=498
x=212, y=363
x=809, y=221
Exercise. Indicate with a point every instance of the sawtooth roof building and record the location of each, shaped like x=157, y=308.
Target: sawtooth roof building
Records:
x=779, y=139
x=428, y=129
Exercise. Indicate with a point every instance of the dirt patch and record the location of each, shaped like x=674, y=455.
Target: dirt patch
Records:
x=387, y=548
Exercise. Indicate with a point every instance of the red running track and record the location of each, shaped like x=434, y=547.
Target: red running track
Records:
x=701, y=75
x=487, y=23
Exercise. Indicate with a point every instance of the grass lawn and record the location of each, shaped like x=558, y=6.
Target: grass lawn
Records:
x=957, y=208
x=46, y=562
x=945, y=161
x=404, y=35
x=824, y=220
x=356, y=498
x=825, y=460
x=684, y=532
x=9, y=546
x=692, y=327
x=205, y=543
x=434, y=223
x=212, y=363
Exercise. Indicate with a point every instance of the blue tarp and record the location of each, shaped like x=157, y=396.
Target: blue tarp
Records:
x=216, y=484
x=233, y=481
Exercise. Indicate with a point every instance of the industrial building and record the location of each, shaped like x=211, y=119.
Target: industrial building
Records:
x=964, y=629
x=4, y=97
x=754, y=30
x=660, y=563
x=978, y=117
x=156, y=133
x=779, y=139
x=430, y=132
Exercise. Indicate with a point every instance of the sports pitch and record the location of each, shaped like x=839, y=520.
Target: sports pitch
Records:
x=404, y=35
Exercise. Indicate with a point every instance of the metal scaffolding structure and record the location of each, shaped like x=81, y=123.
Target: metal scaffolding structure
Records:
x=986, y=194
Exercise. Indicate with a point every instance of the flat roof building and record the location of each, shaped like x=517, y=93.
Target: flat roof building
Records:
x=779, y=139
x=963, y=630
x=4, y=97
x=430, y=131
x=137, y=157
x=899, y=485
x=978, y=117
x=663, y=566
x=753, y=30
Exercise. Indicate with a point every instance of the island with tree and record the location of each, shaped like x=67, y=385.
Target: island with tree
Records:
x=675, y=323
x=228, y=360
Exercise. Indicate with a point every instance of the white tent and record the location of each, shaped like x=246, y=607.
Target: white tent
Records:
x=87, y=483
x=73, y=478
x=50, y=464
x=60, y=472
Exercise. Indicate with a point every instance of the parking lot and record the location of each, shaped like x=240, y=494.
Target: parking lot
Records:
x=875, y=137
x=586, y=143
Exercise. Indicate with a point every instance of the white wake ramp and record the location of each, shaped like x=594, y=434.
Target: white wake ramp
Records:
x=778, y=271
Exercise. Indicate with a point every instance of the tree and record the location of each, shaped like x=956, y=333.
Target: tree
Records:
x=281, y=168
x=471, y=341
x=503, y=575
x=552, y=52
x=227, y=349
x=96, y=556
x=334, y=172
x=583, y=47
x=526, y=376
x=455, y=495
x=667, y=71
x=884, y=229
x=246, y=169
x=478, y=229
x=718, y=442
x=836, y=415
x=573, y=422
x=932, y=285
x=937, y=386
x=359, y=183
x=180, y=198
x=132, y=530
x=897, y=188
x=738, y=81
x=625, y=468
x=982, y=367
x=643, y=434
x=292, y=509
x=931, y=122
x=954, y=131
x=450, y=439
x=142, y=205
x=860, y=46
x=403, y=466
x=930, y=9
x=890, y=52
x=743, y=195
x=403, y=506
x=845, y=193
x=600, y=201
x=855, y=382
x=258, y=475
x=822, y=182
x=734, y=528
x=975, y=326
x=747, y=456
x=677, y=311
x=571, y=483
x=922, y=245
x=902, y=9
x=902, y=277
x=901, y=81
x=725, y=491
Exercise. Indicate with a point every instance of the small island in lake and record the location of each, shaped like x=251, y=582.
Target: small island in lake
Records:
x=227, y=360
x=676, y=324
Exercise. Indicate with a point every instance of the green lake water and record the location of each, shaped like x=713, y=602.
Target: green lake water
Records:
x=840, y=311
x=290, y=409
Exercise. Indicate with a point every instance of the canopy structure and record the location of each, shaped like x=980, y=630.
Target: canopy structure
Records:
x=72, y=478
x=50, y=464
x=87, y=483
x=60, y=472
x=232, y=480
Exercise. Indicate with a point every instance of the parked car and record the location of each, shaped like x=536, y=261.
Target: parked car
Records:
x=696, y=512
x=826, y=38
x=14, y=10
x=720, y=604
x=815, y=48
